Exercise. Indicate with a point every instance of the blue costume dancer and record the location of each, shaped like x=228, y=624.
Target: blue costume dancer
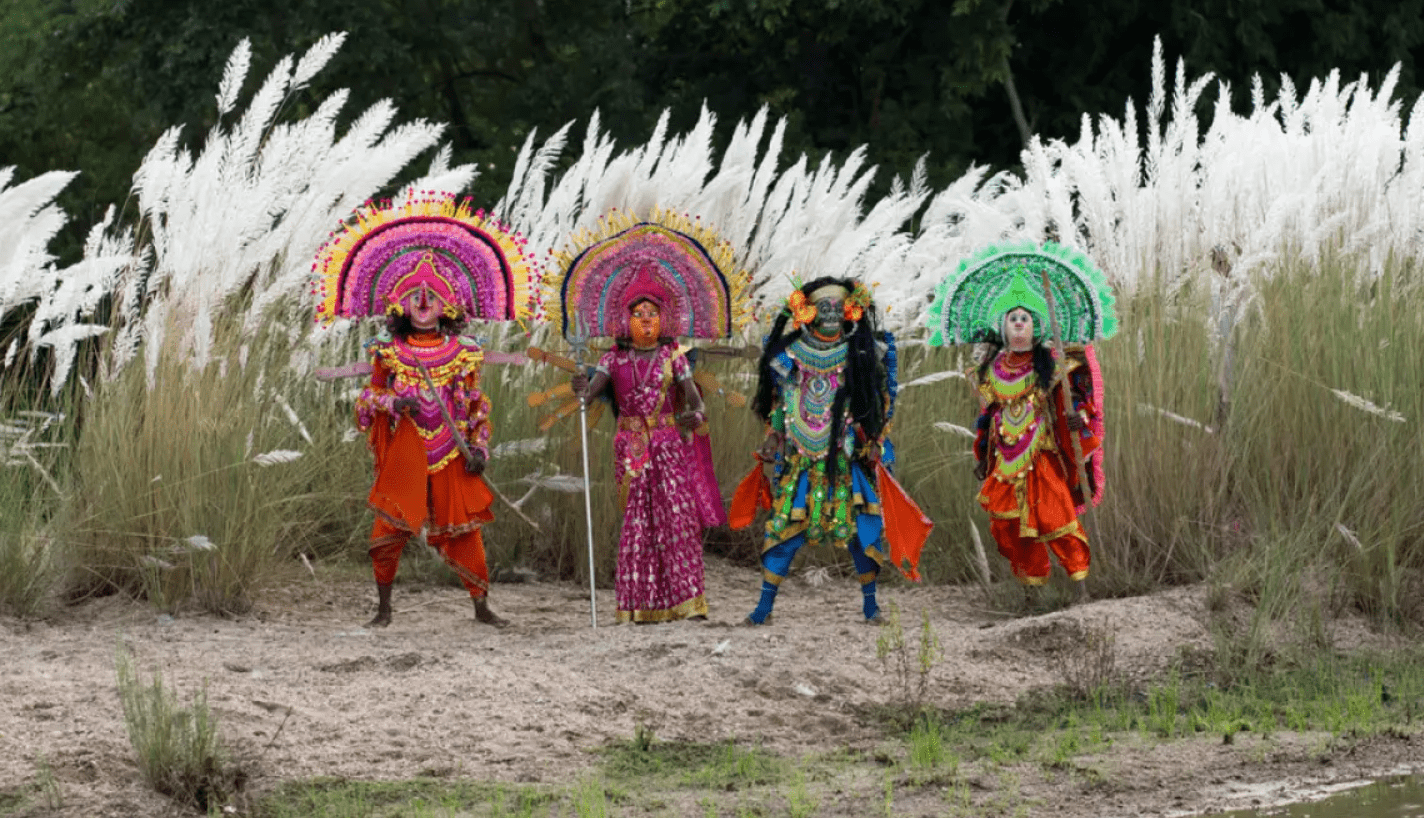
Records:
x=825, y=391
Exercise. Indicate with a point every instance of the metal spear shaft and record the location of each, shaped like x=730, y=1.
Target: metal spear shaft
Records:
x=579, y=342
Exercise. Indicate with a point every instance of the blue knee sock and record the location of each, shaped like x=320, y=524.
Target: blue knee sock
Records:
x=763, y=608
x=865, y=565
x=867, y=602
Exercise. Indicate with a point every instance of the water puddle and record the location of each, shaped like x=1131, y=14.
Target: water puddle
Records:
x=1395, y=797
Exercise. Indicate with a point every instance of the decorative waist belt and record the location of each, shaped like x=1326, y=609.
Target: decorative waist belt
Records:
x=638, y=423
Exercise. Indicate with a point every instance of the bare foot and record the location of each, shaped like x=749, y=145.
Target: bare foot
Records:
x=382, y=619
x=485, y=615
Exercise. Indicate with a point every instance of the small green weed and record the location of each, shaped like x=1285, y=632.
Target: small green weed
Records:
x=178, y=749
x=908, y=665
x=716, y=766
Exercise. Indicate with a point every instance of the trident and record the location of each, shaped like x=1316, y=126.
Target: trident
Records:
x=578, y=339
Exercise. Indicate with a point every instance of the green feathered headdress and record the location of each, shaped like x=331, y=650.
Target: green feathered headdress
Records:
x=970, y=303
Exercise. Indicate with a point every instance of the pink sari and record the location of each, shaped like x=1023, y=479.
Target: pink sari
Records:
x=670, y=493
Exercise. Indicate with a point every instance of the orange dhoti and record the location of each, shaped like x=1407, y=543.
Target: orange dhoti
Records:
x=451, y=504
x=1032, y=514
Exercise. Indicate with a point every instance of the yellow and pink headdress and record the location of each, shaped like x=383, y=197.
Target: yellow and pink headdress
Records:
x=477, y=264
x=671, y=260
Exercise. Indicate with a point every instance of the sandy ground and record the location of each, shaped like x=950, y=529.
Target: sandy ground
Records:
x=300, y=682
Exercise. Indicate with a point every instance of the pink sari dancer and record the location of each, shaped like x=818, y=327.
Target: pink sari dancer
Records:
x=645, y=283
x=667, y=501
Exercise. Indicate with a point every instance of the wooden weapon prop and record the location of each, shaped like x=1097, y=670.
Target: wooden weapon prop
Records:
x=465, y=446
x=1066, y=404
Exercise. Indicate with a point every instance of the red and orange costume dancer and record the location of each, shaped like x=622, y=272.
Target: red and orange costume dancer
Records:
x=426, y=266
x=1041, y=411
x=453, y=502
x=1031, y=487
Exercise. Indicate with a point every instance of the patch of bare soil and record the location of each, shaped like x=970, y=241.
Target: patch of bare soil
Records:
x=300, y=683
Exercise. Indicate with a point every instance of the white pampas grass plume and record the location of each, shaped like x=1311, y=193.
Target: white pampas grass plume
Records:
x=1350, y=537
x=1149, y=409
x=276, y=456
x=980, y=558
x=198, y=542
x=532, y=445
x=233, y=75
x=64, y=341
x=934, y=378
x=1365, y=405
x=946, y=426
x=292, y=416
x=350, y=435
x=558, y=482
x=316, y=58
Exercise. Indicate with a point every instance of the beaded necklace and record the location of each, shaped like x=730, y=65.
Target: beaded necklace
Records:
x=644, y=367
x=1010, y=384
x=808, y=416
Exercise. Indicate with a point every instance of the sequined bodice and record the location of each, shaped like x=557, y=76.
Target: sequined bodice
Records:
x=1017, y=422
x=816, y=380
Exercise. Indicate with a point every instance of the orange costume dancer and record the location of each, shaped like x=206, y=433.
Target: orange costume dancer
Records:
x=1041, y=414
x=426, y=265
x=409, y=436
x=1025, y=456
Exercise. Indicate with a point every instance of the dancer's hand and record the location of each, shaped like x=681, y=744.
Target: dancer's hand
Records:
x=689, y=421
x=766, y=452
x=580, y=385
x=475, y=464
x=873, y=451
x=403, y=405
x=981, y=469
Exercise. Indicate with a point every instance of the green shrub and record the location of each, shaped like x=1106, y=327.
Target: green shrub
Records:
x=178, y=749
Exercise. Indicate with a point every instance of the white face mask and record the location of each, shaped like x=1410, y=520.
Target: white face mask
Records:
x=1018, y=329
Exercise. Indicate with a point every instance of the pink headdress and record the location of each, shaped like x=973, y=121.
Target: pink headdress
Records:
x=424, y=274
x=645, y=286
x=673, y=261
x=478, y=265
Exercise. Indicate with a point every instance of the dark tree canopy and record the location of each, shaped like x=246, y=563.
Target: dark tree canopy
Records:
x=89, y=85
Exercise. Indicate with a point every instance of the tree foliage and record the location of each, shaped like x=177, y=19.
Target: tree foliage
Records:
x=89, y=85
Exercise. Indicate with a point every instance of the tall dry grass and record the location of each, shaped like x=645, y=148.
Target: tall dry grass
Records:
x=200, y=489
x=1302, y=492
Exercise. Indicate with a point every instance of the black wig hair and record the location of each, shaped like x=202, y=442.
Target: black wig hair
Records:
x=862, y=389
